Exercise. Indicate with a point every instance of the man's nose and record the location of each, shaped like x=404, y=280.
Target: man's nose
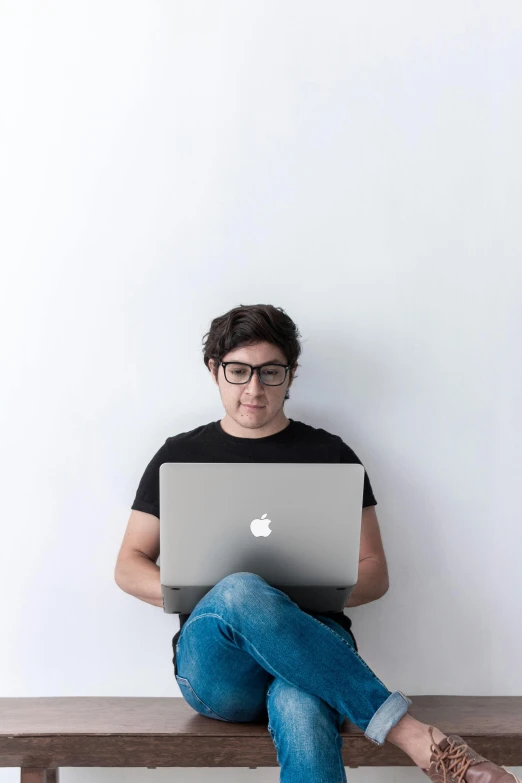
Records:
x=255, y=384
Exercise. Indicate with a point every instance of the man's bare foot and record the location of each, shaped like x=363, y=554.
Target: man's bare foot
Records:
x=413, y=737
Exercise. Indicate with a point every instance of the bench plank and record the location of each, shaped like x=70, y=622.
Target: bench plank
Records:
x=87, y=731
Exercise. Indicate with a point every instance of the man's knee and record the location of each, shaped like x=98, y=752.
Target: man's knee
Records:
x=237, y=589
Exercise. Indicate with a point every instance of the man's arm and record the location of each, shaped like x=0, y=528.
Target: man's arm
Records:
x=372, y=579
x=136, y=571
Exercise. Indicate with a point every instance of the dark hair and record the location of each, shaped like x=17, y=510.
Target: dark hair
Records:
x=248, y=324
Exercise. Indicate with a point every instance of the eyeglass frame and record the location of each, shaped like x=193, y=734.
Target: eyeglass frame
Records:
x=258, y=369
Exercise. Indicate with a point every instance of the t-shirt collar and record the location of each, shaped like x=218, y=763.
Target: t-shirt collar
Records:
x=276, y=437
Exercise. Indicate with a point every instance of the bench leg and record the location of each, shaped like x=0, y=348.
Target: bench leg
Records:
x=39, y=775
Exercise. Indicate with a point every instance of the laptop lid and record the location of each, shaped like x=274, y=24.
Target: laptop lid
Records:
x=297, y=525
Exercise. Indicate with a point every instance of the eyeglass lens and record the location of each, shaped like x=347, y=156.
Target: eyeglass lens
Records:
x=271, y=374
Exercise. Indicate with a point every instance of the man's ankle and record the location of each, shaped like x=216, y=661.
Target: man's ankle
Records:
x=413, y=737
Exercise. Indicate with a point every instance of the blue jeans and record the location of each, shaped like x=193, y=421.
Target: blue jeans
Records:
x=247, y=653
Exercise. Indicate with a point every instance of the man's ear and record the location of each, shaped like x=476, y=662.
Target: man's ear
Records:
x=292, y=373
x=211, y=370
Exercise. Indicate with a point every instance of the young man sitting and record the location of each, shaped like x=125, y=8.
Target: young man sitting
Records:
x=247, y=652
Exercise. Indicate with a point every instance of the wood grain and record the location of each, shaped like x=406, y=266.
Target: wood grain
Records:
x=47, y=733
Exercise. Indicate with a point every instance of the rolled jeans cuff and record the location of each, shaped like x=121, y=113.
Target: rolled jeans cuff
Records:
x=387, y=716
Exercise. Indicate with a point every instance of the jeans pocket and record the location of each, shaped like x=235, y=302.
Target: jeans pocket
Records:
x=193, y=700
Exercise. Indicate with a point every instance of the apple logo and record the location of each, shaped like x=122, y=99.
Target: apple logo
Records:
x=260, y=527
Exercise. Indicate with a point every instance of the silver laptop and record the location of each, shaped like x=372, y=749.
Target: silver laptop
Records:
x=297, y=525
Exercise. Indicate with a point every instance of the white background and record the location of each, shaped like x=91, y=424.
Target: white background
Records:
x=359, y=165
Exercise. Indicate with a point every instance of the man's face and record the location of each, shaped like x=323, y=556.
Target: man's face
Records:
x=268, y=400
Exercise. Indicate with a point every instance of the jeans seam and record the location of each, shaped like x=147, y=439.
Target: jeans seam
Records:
x=189, y=684
x=199, y=616
x=337, y=636
x=269, y=726
x=342, y=773
x=219, y=617
x=272, y=734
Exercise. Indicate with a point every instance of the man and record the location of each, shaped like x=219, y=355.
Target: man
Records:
x=247, y=652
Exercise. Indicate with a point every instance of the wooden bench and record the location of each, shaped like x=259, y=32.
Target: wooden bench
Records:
x=40, y=735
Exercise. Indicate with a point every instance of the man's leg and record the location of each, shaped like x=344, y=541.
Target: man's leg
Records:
x=306, y=734
x=243, y=614
x=261, y=634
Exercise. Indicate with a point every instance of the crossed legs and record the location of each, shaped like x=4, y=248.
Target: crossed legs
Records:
x=248, y=653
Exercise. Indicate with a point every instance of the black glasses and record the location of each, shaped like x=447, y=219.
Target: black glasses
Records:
x=269, y=374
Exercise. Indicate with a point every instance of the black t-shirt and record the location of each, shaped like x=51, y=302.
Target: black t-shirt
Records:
x=297, y=442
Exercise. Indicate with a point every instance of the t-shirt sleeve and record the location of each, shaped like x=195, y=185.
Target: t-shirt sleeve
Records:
x=348, y=455
x=147, y=495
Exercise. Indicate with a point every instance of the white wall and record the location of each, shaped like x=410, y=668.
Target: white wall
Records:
x=358, y=164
